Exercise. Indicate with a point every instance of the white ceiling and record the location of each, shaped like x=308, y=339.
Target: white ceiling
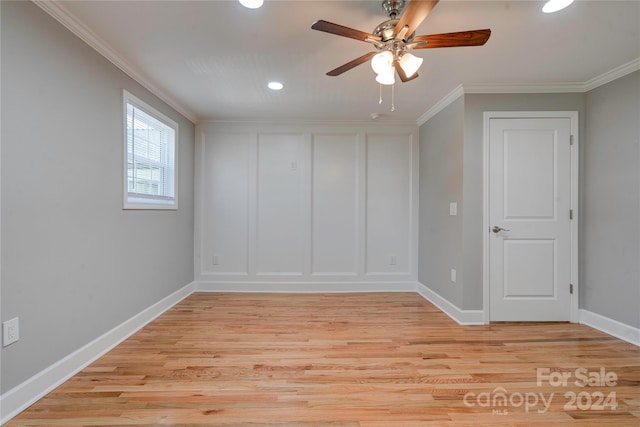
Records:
x=215, y=58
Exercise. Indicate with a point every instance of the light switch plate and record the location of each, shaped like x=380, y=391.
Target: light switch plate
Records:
x=453, y=209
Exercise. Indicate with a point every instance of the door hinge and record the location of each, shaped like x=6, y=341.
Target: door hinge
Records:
x=570, y=139
x=571, y=288
x=570, y=213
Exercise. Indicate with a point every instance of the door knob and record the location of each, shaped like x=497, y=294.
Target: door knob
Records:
x=497, y=229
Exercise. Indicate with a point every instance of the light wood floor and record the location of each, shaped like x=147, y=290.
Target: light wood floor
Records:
x=344, y=360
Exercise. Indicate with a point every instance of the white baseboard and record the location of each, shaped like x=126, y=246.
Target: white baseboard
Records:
x=304, y=287
x=610, y=326
x=24, y=395
x=463, y=317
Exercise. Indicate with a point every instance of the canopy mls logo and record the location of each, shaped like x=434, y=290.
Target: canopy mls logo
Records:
x=499, y=400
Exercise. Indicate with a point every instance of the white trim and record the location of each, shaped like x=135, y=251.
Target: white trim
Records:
x=381, y=123
x=485, y=218
x=612, y=75
x=573, y=116
x=575, y=222
x=492, y=88
x=528, y=88
x=462, y=317
x=611, y=327
x=304, y=287
x=25, y=394
x=441, y=105
x=73, y=24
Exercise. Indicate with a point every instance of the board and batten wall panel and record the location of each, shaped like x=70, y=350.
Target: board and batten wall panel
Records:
x=335, y=205
x=301, y=205
x=226, y=225
x=388, y=204
x=279, y=207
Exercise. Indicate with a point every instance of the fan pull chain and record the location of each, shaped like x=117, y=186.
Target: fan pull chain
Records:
x=393, y=101
x=393, y=97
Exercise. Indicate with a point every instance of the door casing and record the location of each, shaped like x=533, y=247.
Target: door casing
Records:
x=573, y=116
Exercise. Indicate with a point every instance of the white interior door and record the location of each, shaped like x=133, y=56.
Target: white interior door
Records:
x=529, y=219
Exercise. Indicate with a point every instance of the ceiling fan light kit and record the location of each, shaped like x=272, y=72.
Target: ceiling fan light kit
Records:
x=386, y=78
x=382, y=62
x=394, y=37
x=410, y=64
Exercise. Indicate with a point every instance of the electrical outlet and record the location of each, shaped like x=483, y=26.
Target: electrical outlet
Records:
x=453, y=209
x=216, y=260
x=454, y=273
x=10, y=331
x=393, y=260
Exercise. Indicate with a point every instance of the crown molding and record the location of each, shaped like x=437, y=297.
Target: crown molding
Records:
x=583, y=87
x=441, y=105
x=530, y=88
x=73, y=24
x=381, y=122
x=612, y=75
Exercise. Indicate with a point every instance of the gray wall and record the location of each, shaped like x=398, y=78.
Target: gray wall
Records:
x=610, y=238
x=451, y=170
x=474, y=107
x=74, y=264
x=609, y=195
x=441, y=176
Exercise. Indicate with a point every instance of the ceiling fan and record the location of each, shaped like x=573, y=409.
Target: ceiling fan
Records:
x=395, y=37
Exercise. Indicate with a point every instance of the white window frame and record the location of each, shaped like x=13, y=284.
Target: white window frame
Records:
x=141, y=201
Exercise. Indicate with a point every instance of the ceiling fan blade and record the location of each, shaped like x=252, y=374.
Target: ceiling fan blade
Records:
x=462, y=38
x=341, y=30
x=351, y=64
x=402, y=74
x=414, y=14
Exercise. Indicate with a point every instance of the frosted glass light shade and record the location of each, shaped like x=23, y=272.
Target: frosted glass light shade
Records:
x=555, y=5
x=410, y=64
x=382, y=62
x=387, y=78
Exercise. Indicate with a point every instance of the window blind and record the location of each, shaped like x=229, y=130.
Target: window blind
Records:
x=150, y=156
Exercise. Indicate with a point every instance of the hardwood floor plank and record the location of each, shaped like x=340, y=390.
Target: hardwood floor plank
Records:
x=383, y=359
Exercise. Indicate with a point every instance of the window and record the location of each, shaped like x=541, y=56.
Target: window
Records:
x=150, y=163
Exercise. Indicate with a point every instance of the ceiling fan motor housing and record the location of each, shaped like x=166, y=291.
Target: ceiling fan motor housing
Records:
x=392, y=7
x=385, y=30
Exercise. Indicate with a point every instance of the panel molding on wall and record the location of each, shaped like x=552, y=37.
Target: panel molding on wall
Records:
x=306, y=203
x=388, y=194
x=228, y=188
x=335, y=182
x=280, y=211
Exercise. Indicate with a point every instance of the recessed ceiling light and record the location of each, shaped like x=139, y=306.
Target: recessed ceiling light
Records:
x=275, y=85
x=251, y=4
x=555, y=5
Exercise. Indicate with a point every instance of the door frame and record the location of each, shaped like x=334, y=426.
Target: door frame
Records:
x=573, y=116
